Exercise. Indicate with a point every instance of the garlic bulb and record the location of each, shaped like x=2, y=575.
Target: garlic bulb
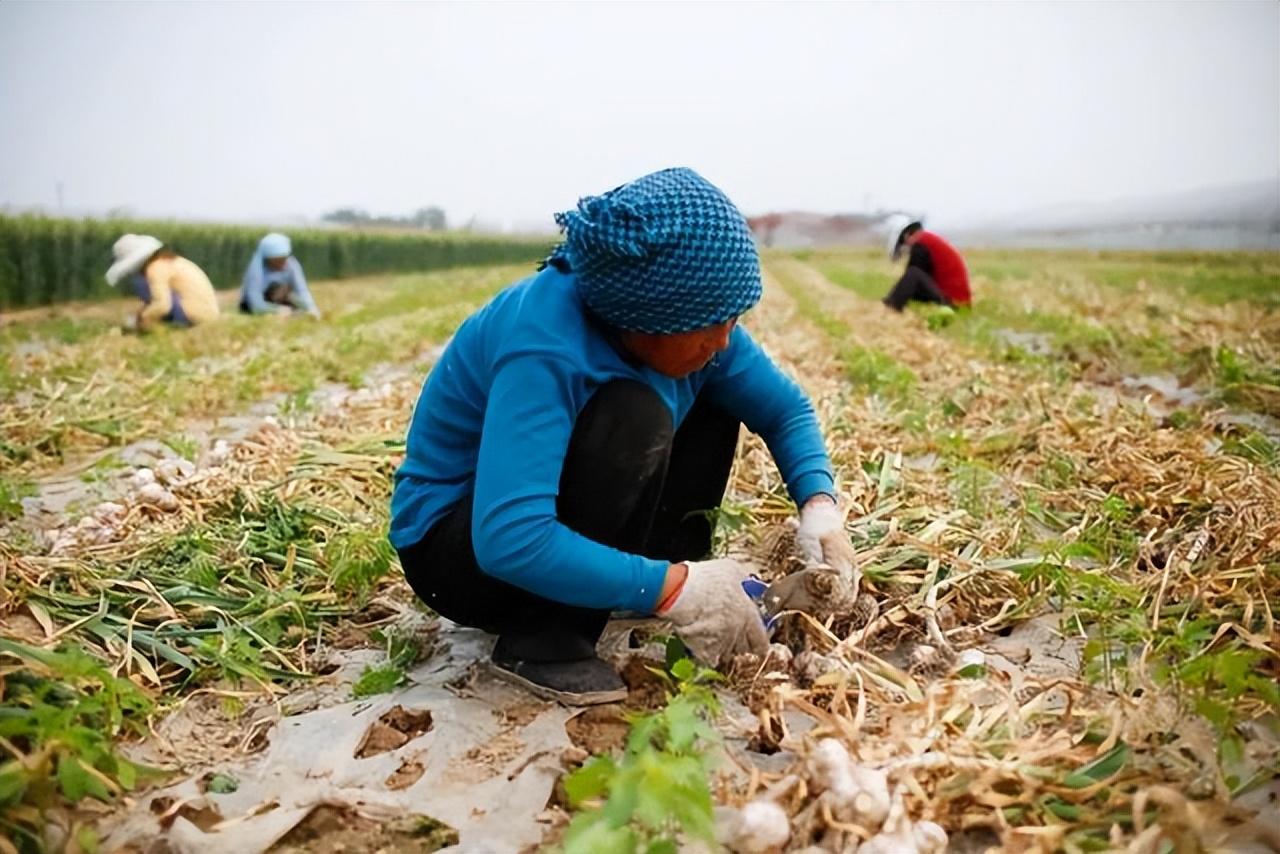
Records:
x=760, y=827
x=174, y=471
x=856, y=793
x=158, y=496
x=921, y=837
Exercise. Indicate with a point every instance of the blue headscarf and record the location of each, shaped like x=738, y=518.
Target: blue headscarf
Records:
x=665, y=253
x=275, y=245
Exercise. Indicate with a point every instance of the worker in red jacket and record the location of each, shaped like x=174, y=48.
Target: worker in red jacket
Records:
x=935, y=271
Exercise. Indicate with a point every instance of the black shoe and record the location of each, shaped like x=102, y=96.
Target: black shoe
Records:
x=584, y=682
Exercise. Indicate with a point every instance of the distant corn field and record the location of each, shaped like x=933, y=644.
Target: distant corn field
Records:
x=45, y=261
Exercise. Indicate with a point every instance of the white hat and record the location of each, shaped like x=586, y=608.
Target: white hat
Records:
x=893, y=226
x=131, y=252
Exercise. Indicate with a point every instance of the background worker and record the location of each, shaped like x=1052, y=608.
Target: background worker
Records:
x=566, y=448
x=274, y=282
x=935, y=270
x=173, y=289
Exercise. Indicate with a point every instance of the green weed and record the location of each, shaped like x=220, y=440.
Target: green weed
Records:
x=1255, y=447
x=59, y=714
x=11, y=494
x=869, y=284
x=976, y=489
x=358, y=559
x=877, y=372
x=184, y=446
x=404, y=649
x=655, y=795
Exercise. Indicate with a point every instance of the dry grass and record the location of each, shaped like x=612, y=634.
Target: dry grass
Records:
x=1110, y=553
x=1075, y=646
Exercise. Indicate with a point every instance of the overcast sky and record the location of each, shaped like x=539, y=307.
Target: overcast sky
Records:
x=512, y=110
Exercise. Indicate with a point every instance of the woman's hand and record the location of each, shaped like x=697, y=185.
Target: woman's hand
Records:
x=822, y=538
x=712, y=614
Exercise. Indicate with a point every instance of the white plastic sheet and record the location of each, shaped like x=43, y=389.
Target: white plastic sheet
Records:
x=491, y=759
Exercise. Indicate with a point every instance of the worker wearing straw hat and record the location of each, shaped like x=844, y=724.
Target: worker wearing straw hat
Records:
x=274, y=282
x=568, y=445
x=173, y=289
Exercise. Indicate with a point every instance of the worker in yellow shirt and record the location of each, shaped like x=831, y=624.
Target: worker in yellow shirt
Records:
x=173, y=289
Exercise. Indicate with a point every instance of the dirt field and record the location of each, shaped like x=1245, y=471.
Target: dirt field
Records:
x=1066, y=504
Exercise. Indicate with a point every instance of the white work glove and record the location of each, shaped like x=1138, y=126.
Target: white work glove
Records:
x=817, y=591
x=830, y=584
x=714, y=616
x=822, y=538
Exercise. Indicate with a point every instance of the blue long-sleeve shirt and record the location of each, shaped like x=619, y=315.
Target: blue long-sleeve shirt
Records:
x=257, y=278
x=495, y=416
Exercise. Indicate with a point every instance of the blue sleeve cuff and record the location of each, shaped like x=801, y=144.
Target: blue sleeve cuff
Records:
x=809, y=485
x=650, y=575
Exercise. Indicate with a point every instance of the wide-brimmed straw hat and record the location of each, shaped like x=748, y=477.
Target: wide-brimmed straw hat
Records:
x=131, y=251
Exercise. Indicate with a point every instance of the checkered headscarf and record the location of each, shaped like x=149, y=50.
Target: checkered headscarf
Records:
x=665, y=253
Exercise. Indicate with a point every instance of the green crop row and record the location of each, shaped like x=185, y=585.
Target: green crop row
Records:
x=45, y=261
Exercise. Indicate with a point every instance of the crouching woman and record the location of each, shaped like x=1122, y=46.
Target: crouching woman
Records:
x=173, y=289
x=566, y=448
x=273, y=282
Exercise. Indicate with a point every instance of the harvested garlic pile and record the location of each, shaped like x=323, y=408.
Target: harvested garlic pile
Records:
x=901, y=835
x=854, y=792
x=100, y=526
x=145, y=487
x=147, y=490
x=921, y=837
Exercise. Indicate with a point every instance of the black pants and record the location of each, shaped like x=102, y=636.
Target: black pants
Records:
x=629, y=481
x=917, y=285
x=277, y=293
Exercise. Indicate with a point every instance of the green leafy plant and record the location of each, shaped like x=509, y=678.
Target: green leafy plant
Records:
x=656, y=793
x=358, y=559
x=727, y=521
x=244, y=593
x=869, y=284
x=59, y=714
x=938, y=317
x=222, y=784
x=1217, y=680
x=1255, y=447
x=974, y=487
x=404, y=649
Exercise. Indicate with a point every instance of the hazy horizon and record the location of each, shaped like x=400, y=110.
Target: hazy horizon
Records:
x=509, y=112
